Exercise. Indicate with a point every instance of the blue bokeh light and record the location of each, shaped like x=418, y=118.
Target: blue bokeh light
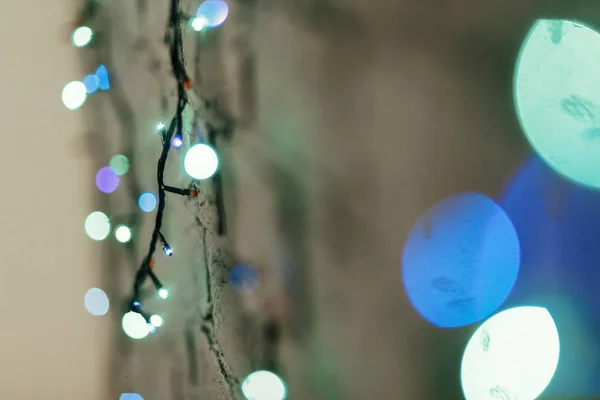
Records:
x=558, y=223
x=213, y=12
x=91, y=83
x=461, y=260
x=103, y=81
x=147, y=201
x=130, y=396
x=243, y=278
x=177, y=141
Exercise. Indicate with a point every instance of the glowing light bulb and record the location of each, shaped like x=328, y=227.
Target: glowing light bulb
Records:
x=198, y=23
x=201, y=161
x=160, y=126
x=123, y=233
x=91, y=83
x=96, y=302
x=156, y=320
x=168, y=251
x=163, y=293
x=135, y=325
x=214, y=12
x=557, y=97
x=119, y=164
x=82, y=36
x=147, y=201
x=177, y=142
x=264, y=385
x=74, y=95
x=106, y=180
x=513, y=355
x=103, y=80
x=97, y=226
x=130, y=396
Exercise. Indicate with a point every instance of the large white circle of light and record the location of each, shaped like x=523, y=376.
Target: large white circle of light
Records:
x=557, y=97
x=513, y=355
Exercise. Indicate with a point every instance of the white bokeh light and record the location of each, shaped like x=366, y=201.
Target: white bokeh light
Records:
x=97, y=225
x=135, y=325
x=199, y=23
x=74, y=95
x=513, y=355
x=156, y=320
x=82, y=36
x=96, y=302
x=123, y=233
x=201, y=161
x=264, y=385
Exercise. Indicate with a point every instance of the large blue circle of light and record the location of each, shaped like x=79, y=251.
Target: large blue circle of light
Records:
x=461, y=260
x=557, y=97
x=558, y=224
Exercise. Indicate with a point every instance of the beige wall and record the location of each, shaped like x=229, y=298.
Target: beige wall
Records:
x=50, y=347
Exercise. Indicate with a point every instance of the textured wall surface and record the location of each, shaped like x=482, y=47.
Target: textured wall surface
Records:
x=352, y=118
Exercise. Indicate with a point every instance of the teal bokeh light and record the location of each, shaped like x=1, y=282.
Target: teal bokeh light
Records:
x=557, y=97
x=264, y=385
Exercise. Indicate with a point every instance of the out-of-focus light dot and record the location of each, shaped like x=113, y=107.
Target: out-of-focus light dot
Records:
x=243, y=278
x=96, y=302
x=214, y=12
x=264, y=385
x=123, y=233
x=156, y=320
x=198, y=23
x=460, y=260
x=163, y=293
x=97, y=226
x=82, y=36
x=557, y=97
x=106, y=180
x=147, y=201
x=201, y=161
x=103, y=81
x=74, y=95
x=119, y=164
x=91, y=83
x=177, y=142
x=135, y=325
x=513, y=355
x=130, y=396
x=160, y=126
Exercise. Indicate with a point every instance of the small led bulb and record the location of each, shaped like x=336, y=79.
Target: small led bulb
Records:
x=160, y=126
x=168, y=251
x=193, y=193
x=151, y=263
x=151, y=329
x=187, y=84
x=163, y=293
x=177, y=141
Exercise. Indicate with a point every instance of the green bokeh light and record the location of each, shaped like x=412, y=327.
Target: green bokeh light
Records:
x=513, y=355
x=97, y=226
x=119, y=164
x=557, y=97
x=264, y=385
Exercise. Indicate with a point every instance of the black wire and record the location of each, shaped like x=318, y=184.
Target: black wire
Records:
x=176, y=124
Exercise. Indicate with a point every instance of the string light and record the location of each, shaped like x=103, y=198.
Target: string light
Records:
x=123, y=233
x=177, y=142
x=264, y=385
x=156, y=321
x=211, y=13
x=91, y=83
x=82, y=36
x=97, y=226
x=201, y=161
x=74, y=95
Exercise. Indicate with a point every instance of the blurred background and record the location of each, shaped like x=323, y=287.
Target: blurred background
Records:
x=406, y=204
